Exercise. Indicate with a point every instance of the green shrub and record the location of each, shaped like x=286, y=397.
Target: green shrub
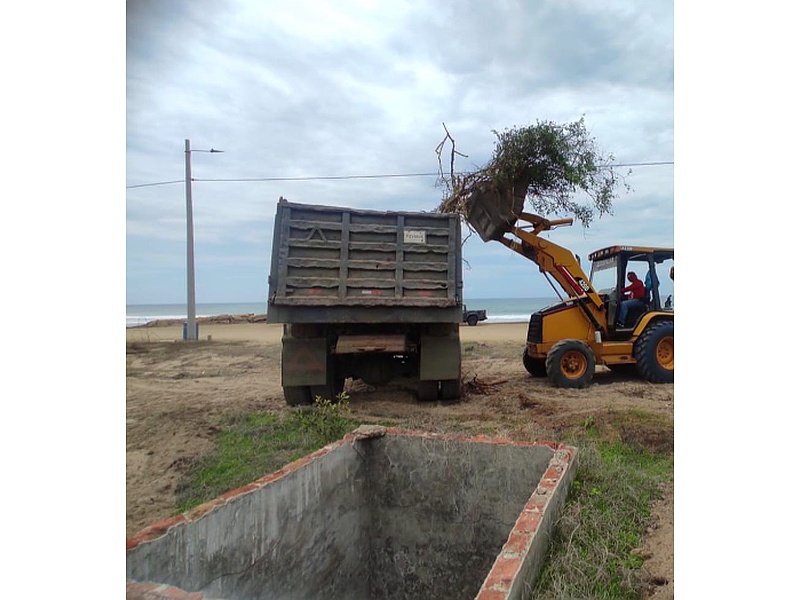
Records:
x=327, y=420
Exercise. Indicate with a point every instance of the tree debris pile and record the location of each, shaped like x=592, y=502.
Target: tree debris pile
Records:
x=546, y=164
x=479, y=387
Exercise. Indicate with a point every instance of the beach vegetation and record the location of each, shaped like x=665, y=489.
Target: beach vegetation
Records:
x=559, y=168
x=252, y=445
x=622, y=469
x=594, y=550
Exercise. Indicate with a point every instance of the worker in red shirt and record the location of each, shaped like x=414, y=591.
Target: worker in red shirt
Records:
x=635, y=297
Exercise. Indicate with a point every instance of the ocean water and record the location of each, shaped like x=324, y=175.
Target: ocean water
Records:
x=499, y=310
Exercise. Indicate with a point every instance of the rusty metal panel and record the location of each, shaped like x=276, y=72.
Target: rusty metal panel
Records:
x=351, y=344
x=332, y=256
x=304, y=362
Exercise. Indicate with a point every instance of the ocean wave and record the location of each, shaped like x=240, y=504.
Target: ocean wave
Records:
x=507, y=318
x=134, y=321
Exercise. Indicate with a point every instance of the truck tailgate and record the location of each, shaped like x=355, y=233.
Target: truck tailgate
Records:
x=333, y=256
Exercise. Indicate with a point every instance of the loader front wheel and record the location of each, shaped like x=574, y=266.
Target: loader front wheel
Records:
x=534, y=366
x=654, y=351
x=570, y=364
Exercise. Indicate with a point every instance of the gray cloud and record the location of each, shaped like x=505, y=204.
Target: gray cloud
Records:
x=309, y=89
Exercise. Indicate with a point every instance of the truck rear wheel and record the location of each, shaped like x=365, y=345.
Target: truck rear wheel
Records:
x=570, y=364
x=451, y=389
x=534, y=366
x=330, y=391
x=428, y=390
x=297, y=395
x=654, y=351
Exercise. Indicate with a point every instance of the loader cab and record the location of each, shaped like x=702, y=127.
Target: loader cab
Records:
x=608, y=276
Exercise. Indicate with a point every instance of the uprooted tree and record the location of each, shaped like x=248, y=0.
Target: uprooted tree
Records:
x=547, y=164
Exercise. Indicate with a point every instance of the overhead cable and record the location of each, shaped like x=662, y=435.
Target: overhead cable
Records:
x=343, y=177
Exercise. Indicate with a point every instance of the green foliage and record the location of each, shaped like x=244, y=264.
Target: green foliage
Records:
x=553, y=162
x=557, y=161
x=604, y=520
x=255, y=444
x=327, y=421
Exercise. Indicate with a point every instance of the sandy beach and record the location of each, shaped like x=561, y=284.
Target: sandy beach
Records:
x=177, y=395
x=267, y=333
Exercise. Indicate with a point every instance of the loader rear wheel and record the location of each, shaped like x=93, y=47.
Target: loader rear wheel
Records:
x=534, y=366
x=297, y=395
x=570, y=364
x=654, y=351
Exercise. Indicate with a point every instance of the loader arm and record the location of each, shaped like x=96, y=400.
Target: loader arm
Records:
x=558, y=262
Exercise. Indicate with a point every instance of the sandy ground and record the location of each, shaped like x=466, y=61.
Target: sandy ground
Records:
x=177, y=393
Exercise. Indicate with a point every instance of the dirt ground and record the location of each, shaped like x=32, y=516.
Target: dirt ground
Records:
x=176, y=394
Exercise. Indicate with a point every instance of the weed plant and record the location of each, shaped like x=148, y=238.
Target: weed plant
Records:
x=603, y=521
x=327, y=421
x=254, y=444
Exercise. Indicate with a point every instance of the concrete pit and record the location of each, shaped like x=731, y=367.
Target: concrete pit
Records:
x=397, y=514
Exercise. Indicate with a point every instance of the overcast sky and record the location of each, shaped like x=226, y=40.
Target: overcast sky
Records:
x=292, y=89
x=312, y=89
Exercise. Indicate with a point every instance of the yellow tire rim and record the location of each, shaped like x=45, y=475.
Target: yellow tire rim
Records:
x=573, y=364
x=665, y=353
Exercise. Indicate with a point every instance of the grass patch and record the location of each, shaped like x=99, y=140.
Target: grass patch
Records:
x=603, y=521
x=252, y=445
x=620, y=472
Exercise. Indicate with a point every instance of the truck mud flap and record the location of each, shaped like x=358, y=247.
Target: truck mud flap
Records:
x=304, y=362
x=440, y=358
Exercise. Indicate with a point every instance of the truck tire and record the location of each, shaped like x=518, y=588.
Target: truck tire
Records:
x=534, y=366
x=297, y=395
x=428, y=390
x=654, y=352
x=451, y=389
x=570, y=364
x=330, y=391
x=472, y=320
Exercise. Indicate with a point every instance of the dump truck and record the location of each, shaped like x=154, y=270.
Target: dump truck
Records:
x=366, y=294
x=565, y=341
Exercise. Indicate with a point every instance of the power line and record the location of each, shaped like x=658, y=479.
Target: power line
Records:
x=141, y=185
x=329, y=177
x=642, y=164
x=345, y=177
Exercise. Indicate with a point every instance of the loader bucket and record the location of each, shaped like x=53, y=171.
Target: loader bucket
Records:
x=492, y=210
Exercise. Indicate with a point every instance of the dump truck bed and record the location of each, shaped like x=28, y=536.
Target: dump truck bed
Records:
x=328, y=257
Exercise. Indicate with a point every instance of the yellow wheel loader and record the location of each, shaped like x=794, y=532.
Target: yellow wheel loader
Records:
x=568, y=339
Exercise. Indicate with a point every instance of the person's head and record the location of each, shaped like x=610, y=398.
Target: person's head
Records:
x=632, y=276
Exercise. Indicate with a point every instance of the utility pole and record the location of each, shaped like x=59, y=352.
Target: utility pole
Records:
x=191, y=311
x=191, y=307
